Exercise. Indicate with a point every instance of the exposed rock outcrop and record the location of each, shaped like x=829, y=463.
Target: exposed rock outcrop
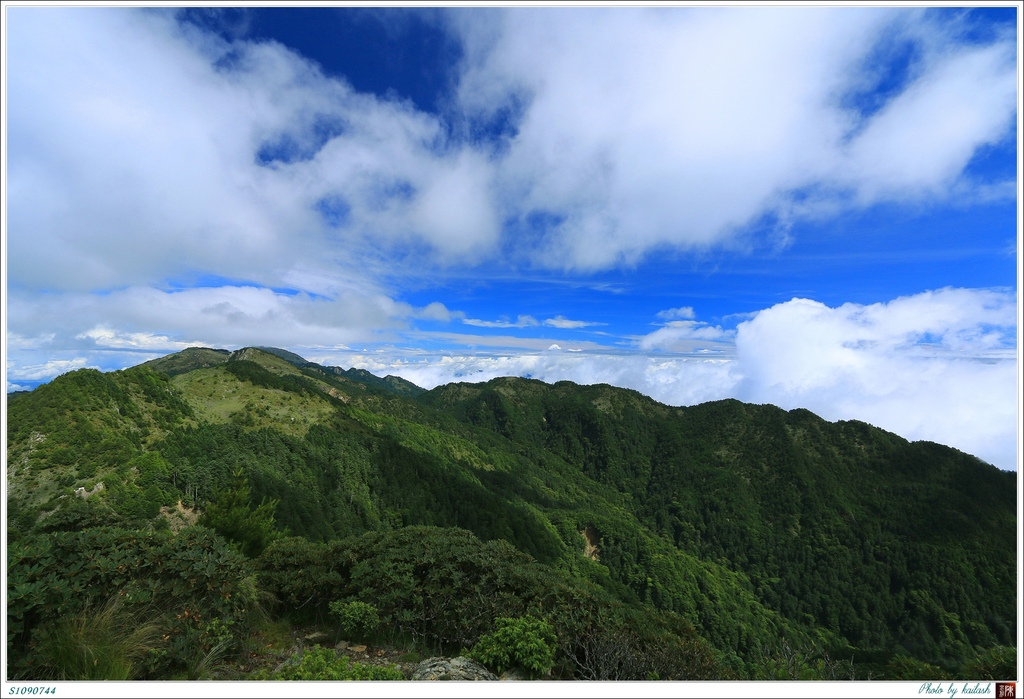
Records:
x=459, y=668
x=591, y=539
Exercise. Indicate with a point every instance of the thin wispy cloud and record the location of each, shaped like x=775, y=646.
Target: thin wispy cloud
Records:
x=669, y=314
x=520, y=322
x=525, y=321
x=567, y=324
x=49, y=369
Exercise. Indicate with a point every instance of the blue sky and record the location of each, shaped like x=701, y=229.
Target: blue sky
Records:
x=810, y=207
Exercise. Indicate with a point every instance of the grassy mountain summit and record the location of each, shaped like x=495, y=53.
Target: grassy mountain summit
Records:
x=755, y=528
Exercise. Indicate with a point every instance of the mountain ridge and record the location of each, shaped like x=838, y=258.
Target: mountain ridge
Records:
x=753, y=522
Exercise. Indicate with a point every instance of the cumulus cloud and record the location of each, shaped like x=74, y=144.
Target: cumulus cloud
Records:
x=634, y=129
x=680, y=127
x=439, y=312
x=141, y=149
x=687, y=336
x=939, y=366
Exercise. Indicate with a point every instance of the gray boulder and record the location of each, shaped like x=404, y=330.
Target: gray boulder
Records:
x=514, y=675
x=460, y=669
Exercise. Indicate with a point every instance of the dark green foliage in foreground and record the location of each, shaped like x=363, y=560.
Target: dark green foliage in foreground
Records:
x=446, y=589
x=443, y=587
x=526, y=643
x=191, y=585
x=656, y=541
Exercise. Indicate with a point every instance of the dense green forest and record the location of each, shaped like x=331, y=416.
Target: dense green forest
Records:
x=209, y=496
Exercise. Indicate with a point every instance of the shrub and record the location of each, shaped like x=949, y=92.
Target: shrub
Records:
x=302, y=575
x=998, y=663
x=356, y=619
x=603, y=640
x=903, y=667
x=786, y=661
x=441, y=587
x=319, y=663
x=444, y=589
x=526, y=642
x=201, y=590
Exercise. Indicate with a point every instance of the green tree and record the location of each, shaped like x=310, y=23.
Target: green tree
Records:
x=232, y=515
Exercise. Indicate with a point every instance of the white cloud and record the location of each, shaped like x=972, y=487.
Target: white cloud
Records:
x=527, y=321
x=455, y=210
x=15, y=341
x=522, y=321
x=112, y=166
x=48, y=370
x=227, y=316
x=564, y=323
x=679, y=127
x=108, y=338
x=938, y=366
x=687, y=336
x=920, y=143
x=683, y=312
x=639, y=128
x=140, y=150
x=439, y=312
x=559, y=321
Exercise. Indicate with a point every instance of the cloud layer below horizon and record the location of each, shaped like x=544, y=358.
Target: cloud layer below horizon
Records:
x=915, y=366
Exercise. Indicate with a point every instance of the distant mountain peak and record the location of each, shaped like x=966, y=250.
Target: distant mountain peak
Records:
x=289, y=357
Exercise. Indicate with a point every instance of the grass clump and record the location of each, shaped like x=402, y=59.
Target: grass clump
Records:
x=105, y=643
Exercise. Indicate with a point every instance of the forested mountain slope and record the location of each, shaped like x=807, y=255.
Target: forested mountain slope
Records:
x=755, y=525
